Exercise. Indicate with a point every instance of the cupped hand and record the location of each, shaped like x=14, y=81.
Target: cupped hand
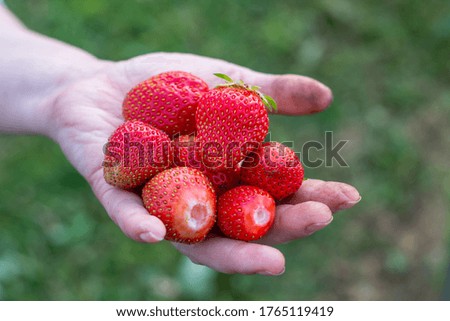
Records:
x=85, y=114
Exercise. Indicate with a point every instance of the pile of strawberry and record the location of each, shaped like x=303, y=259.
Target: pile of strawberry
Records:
x=198, y=158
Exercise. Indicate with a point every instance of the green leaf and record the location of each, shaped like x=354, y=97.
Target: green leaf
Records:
x=265, y=102
x=272, y=103
x=224, y=77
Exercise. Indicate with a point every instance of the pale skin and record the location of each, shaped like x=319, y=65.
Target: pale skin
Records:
x=53, y=89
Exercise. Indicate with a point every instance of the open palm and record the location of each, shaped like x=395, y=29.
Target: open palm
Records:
x=86, y=113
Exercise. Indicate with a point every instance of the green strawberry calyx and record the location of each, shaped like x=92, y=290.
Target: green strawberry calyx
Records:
x=268, y=101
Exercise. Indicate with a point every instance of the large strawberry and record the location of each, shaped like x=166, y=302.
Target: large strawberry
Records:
x=275, y=168
x=167, y=101
x=245, y=213
x=231, y=120
x=186, y=152
x=184, y=200
x=134, y=153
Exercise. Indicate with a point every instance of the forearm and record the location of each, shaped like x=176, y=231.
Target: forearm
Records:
x=33, y=71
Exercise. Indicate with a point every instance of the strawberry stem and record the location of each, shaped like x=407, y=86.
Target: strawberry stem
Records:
x=268, y=101
x=224, y=77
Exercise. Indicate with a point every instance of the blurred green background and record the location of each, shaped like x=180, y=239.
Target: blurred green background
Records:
x=388, y=65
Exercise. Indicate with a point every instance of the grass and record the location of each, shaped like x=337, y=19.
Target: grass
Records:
x=387, y=63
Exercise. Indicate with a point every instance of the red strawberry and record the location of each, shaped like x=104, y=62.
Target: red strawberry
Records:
x=135, y=152
x=245, y=213
x=225, y=179
x=184, y=200
x=186, y=153
x=274, y=168
x=167, y=101
x=231, y=119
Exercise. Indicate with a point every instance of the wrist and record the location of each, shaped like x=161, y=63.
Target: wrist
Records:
x=52, y=101
x=35, y=69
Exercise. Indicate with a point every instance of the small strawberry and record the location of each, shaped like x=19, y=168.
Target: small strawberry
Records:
x=186, y=153
x=184, y=200
x=135, y=152
x=245, y=213
x=231, y=119
x=274, y=168
x=167, y=101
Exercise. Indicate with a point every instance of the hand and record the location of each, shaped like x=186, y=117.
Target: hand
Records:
x=86, y=113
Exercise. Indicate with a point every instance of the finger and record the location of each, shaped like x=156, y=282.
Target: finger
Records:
x=297, y=221
x=126, y=210
x=232, y=256
x=294, y=94
x=337, y=196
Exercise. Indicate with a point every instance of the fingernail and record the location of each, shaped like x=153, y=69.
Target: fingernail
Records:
x=310, y=229
x=352, y=195
x=268, y=273
x=355, y=202
x=150, y=237
x=348, y=204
